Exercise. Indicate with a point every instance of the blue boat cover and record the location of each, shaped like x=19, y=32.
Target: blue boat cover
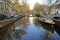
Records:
x=46, y=18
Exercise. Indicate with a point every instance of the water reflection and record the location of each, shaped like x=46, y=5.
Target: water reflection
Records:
x=57, y=29
x=29, y=28
x=36, y=22
x=16, y=35
x=49, y=28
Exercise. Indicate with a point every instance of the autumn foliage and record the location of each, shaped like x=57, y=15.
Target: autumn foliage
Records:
x=38, y=7
x=18, y=7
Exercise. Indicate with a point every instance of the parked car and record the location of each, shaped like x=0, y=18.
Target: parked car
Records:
x=15, y=16
x=2, y=16
x=10, y=16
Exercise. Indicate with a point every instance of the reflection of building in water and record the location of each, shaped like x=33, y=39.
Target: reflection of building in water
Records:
x=20, y=28
x=57, y=29
x=8, y=31
x=47, y=36
x=17, y=34
x=48, y=28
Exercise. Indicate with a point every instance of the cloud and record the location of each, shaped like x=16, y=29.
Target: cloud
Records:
x=32, y=3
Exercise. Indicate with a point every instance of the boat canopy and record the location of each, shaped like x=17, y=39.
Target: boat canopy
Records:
x=46, y=18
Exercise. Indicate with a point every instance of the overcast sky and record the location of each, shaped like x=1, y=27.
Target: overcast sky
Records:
x=32, y=2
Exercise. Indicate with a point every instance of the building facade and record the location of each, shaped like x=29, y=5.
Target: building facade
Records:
x=5, y=7
x=2, y=6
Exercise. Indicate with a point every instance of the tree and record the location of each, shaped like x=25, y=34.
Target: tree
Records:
x=24, y=8
x=17, y=7
x=38, y=7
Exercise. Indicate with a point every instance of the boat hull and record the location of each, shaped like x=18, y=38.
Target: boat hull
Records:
x=42, y=22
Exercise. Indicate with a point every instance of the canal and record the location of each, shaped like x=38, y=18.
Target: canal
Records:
x=29, y=28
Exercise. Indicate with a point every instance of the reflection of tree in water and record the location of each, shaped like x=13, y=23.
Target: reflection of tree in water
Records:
x=36, y=22
x=23, y=23
x=47, y=36
x=6, y=31
x=21, y=27
x=16, y=35
x=48, y=28
x=26, y=21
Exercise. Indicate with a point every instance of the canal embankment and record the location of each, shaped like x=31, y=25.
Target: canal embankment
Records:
x=9, y=21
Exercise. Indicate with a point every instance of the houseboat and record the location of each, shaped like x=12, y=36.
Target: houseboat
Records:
x=48, y=21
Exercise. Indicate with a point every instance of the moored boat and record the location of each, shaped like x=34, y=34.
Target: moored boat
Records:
x=48, y=21
x=56, y=19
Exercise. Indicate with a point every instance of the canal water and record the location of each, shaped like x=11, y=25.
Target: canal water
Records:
x=29, y=28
